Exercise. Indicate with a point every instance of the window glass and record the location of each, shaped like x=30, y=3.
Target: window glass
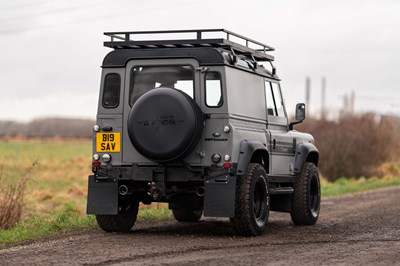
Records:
x=112, y=87
x=270, y=99
x=213, y=89
x=278, y=100
x=145, y=78
x=274, y=99
x=243, y=63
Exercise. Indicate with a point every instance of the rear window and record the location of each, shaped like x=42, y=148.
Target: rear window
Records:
x=213, y=89
x=112, y=87
x=145, y=78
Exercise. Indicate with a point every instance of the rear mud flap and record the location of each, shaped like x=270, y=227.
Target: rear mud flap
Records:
x=219, y=196
x=102, y=197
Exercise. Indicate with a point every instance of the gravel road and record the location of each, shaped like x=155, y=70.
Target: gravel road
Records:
x=359, y=229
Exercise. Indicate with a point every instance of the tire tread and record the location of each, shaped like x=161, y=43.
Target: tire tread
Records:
x=184, y=215
x=243, y=220
x=122, y=222
x=301, y=213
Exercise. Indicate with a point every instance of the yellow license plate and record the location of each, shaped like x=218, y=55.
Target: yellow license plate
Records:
x=108, y=142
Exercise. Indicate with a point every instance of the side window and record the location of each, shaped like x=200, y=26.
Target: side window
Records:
x=278, y=100
x=213, y=89
x=270, y=99
x=274, y=100
x=111, y=91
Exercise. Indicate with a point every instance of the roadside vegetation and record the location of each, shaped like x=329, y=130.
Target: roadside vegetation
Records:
x=43, y=182
x=345, y=185
x=66, y=221
x=43, y=189
x=12, y=199
x=355, y=145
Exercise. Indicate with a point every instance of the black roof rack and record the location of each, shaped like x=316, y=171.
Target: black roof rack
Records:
x=251, y=48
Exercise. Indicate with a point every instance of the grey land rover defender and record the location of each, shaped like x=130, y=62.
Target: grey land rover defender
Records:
x=198, y=122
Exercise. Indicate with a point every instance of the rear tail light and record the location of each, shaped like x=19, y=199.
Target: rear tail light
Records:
x=96, y=164
x=227, y=165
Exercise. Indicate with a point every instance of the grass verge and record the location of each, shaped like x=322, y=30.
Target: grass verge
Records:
x=155, y=214
x=67, y=221
x=346, y=186
x=36, y=228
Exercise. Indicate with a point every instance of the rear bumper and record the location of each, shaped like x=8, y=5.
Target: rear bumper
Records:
x=218, y=199
x=176, y=173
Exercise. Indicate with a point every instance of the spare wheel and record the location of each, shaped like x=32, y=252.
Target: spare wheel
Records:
x=165, y=124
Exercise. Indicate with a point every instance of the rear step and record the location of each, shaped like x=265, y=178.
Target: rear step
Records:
x=281, y=190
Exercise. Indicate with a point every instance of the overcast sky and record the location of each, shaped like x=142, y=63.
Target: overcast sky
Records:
x=51, y=51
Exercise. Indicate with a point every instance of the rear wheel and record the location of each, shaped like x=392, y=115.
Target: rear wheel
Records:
x=121, y=222
x=185, y=215
x=252, y=202
x=307, y=196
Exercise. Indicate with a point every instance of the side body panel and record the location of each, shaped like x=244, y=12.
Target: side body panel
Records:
x=246, y=119
x=246, y=107
x=282, y=150
x=282, y=146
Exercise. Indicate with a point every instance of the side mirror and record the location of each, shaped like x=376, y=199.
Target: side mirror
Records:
x=300, y=112
x=300, y=115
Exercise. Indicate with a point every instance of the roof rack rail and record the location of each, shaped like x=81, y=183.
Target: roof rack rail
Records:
x=125, y=40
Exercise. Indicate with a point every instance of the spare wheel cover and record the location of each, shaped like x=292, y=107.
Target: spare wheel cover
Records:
x=165, y=124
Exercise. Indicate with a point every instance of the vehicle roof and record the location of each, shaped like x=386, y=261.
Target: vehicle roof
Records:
x=205, y=57
x=207, y=51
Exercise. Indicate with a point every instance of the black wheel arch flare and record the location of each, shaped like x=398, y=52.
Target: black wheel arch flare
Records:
x=251, y=151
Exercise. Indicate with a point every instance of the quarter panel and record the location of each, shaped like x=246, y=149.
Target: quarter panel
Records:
x=245, y=94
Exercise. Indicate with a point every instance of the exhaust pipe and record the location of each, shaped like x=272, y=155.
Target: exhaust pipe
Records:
x=200, y=191
x=123, y=190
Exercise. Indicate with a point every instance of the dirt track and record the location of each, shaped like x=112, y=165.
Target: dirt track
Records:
x=361, y=229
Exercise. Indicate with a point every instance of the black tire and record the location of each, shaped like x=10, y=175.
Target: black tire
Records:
x=252, y=202
x=165, y=124
x=122, y=222
x=184, y=215
x=307, y=196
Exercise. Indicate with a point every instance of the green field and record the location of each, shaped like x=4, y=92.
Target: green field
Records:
x=59, y=177
x=55, y=199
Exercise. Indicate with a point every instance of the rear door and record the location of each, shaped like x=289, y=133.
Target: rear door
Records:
x=139, y=80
